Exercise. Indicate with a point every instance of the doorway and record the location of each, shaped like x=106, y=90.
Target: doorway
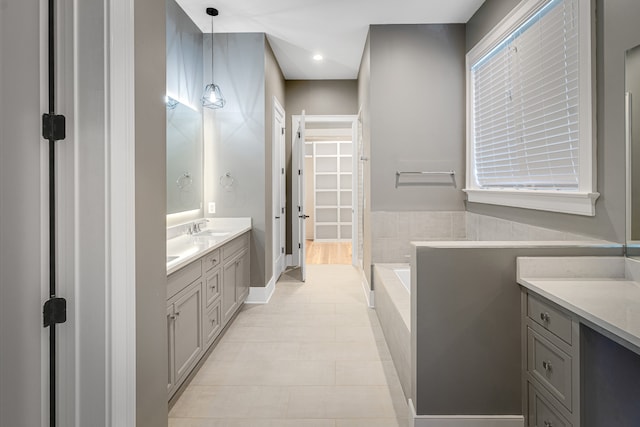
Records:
x=329, y=162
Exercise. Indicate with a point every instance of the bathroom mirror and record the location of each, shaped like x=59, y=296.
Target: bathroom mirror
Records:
x=632, y=111
x=184, y=157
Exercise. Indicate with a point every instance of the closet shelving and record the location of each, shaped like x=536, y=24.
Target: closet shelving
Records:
x=332, y=186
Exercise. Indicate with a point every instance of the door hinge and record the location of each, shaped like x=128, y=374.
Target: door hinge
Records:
x=299, y=172
x=299, y=209
x=299, y=135
x=282, y=210
x=282, y=171
x=299, y=245
x=54, y=312
x=283, y=131
x=281, y=250
x=53, y=127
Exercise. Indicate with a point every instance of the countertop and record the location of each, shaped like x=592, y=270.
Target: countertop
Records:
x=188, y=248
x=603, y=291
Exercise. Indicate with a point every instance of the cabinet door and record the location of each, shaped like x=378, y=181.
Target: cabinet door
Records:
x=171, y=377
x=229, y=296
x=243, y=276
x=188, y=329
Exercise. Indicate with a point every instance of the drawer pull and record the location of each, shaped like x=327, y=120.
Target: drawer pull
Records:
x=546, y=366
x=545, y=317
x=548, y=424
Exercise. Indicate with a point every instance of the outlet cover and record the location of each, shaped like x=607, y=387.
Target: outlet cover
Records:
x=212, y=207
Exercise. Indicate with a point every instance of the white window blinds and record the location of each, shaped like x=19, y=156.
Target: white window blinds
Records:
x=525, y=105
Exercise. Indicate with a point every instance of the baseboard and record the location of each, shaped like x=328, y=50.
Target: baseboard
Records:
x=368, y=293
x=288, y=260
x=463, y=420
x=261, y=295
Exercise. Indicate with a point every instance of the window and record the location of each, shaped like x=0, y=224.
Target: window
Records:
x=530, y=110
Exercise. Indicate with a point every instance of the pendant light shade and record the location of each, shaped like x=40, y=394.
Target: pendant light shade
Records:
x=212, y=96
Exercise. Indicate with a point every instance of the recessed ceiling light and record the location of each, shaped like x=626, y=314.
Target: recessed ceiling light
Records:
x=318, y=57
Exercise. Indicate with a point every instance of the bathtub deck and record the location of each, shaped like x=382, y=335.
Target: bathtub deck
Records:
x=393, y=307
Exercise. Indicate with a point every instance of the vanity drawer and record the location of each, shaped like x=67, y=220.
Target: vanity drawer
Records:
x=235, y=246
x=183, y=277
x=211, y=260
x=212, y=291
x=542, y=413
x=212, y=323
x=551, y=366
x=549, y=318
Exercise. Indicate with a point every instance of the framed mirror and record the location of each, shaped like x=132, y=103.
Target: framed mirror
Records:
x=184, y=157
x=632, y=112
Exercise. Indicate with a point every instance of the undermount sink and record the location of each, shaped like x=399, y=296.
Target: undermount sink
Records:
x=172, y=258
x=211, y=233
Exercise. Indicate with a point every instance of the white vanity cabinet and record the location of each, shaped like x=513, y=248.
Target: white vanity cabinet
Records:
x=551, y=363
x=202, y=297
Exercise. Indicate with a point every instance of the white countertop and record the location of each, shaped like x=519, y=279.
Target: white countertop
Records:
x=607, y=297
x=188, y=248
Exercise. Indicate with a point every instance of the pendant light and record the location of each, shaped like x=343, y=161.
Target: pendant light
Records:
x=212, y=96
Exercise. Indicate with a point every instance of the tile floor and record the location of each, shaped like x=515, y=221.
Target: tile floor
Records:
x=314, y=356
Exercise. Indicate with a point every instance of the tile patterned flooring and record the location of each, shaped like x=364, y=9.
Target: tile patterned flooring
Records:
x=314, y=356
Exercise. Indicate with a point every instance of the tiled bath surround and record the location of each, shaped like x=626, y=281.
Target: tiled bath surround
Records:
x=393, y=232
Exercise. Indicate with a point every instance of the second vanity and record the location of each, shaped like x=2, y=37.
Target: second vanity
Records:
x=208, y=269
x=565, y=299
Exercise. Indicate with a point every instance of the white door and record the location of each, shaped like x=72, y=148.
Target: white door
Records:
x=298, y=213
x=279, y=190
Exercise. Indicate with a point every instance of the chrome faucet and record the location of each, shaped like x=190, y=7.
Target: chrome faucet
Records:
x=197, y=226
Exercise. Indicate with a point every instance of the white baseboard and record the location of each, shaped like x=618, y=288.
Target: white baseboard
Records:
x=289, y=260
x=261, y=295
x=368, y=293
x=463, y=420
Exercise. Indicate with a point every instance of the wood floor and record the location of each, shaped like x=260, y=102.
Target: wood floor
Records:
x=328, y=253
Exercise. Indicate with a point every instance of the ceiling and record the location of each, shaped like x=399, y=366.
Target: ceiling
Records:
x=337, y=29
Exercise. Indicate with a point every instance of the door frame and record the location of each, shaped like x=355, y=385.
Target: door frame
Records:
x=347, y=118
x=279, y=182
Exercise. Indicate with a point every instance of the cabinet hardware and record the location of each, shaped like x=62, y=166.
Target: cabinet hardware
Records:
x=546, y=365
x=545, y=317
x=548, y=424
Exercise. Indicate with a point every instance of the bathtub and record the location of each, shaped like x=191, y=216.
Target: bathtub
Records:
x=404, y=274
x=392, y=283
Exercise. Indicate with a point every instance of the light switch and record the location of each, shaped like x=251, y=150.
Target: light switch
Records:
x=212, y=207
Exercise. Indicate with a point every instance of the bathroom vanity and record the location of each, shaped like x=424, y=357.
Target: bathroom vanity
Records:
x=208, y=281
x=559, y=297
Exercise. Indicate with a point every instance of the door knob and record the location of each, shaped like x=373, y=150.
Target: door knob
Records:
x=303, y=216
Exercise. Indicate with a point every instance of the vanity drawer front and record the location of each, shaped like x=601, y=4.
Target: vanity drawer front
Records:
x=183, y=277
x=211, y=260
x=212, y=284
x=234, y=246
x=551, y=366
x=212, y=323
x=542, y=413
x=549, y=318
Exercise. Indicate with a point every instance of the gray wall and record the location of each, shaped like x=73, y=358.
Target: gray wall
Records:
x=417, y=113
x=151, y=267
x=316, y=97
x=20, y=205
x=235, y=139
x=465, y=336
x=617, y=31
x=274, y=87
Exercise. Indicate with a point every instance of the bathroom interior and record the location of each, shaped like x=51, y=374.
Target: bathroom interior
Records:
x=494, y=313
x=439, y=271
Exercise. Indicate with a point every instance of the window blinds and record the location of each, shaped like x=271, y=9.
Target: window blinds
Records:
x=525, y=105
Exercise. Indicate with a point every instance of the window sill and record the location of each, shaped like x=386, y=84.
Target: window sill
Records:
x=576, y=203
